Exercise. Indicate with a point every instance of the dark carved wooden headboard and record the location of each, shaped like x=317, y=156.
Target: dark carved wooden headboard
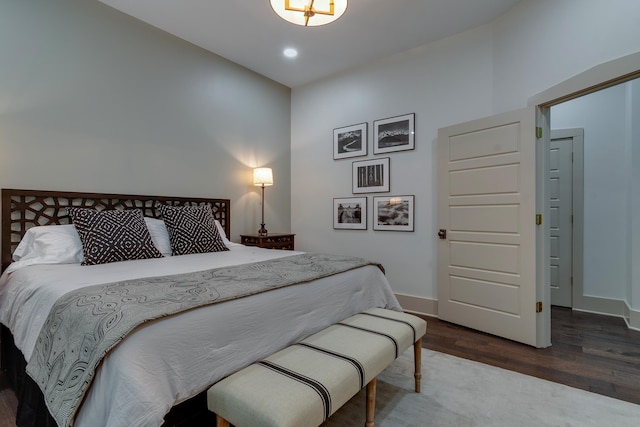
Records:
x=23, y=209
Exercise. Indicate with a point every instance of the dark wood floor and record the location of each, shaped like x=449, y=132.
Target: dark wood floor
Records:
x=589, y=351
x=8, y=403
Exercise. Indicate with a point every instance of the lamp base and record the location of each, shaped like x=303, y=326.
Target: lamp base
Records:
x=263, y=231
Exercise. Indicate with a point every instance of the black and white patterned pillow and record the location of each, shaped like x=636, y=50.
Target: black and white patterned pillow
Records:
x=112, y=235
x=192, y=229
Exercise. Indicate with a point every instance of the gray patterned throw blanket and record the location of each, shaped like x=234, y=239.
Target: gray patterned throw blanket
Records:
x=85, y=324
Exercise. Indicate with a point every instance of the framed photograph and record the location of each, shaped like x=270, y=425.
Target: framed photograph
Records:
x=393, y=213
x=350, y=141
x=394, y=134
x=350, y=213
x=371, y=176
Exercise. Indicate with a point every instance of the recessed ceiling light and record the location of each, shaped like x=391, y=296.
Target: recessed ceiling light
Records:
x=290, y=52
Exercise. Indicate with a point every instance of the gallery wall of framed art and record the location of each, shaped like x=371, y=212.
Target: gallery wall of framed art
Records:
x=373, y=175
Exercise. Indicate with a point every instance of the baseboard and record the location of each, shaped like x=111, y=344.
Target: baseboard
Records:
x=597, y=305
x=633, y=319
x=606, y=306
x=611, y=307
x=418, y=305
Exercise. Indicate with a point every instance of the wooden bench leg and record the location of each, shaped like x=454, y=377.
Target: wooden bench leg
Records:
x=371, y=402
x=417, y=355
x=221, y=422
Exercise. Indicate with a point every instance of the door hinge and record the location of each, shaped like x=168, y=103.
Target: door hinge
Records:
x=538, y=132
x=538, y=219
x=539, y=307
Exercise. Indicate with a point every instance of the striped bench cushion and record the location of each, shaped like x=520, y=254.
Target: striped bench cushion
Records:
x=307, y=382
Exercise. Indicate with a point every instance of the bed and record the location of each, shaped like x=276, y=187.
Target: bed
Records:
x=157, y=373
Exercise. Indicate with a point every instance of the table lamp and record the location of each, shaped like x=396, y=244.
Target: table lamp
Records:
x=262, y=177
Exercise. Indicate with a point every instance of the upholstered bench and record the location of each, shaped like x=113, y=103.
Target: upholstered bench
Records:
x=305, y=383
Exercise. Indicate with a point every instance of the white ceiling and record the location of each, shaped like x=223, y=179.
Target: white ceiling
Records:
x=249, y=33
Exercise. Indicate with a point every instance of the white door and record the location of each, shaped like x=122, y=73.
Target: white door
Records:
x=560, y=192
x=486, y=205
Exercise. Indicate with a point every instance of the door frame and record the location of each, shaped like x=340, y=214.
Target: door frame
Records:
x=600, y=77
x=577, y=235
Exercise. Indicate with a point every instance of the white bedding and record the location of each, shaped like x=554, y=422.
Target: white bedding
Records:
x=167, y=361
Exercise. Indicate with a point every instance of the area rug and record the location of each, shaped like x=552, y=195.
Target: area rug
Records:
x=457, y=392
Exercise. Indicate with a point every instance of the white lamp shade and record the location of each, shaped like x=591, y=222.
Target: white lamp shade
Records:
x=262, y=176
x=295, y=11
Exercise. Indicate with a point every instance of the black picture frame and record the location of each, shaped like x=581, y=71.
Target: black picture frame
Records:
x=350, y=213
x=394, y=134
x=350, y=141
x=371, y=176
x=393, y=213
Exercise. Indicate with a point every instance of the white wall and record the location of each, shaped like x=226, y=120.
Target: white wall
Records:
x=607, y=181
x=440, y=84
x=94, y=100
x=485, y=71
x=540, y=43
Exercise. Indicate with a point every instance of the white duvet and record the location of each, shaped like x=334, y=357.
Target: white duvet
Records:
x=167, y=361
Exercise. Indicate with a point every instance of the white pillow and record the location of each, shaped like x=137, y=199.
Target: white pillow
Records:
x=48, y=244
x=159, y=235
x=222, y=233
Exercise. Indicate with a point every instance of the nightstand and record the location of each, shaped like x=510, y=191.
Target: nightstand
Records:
x=270, y=241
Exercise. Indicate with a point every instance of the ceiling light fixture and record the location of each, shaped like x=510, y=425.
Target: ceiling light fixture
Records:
x=309, y=13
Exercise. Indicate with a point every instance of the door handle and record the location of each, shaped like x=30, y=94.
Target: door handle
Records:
x=442, y=234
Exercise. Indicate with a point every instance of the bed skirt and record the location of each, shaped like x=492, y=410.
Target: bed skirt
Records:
x=32, y=411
